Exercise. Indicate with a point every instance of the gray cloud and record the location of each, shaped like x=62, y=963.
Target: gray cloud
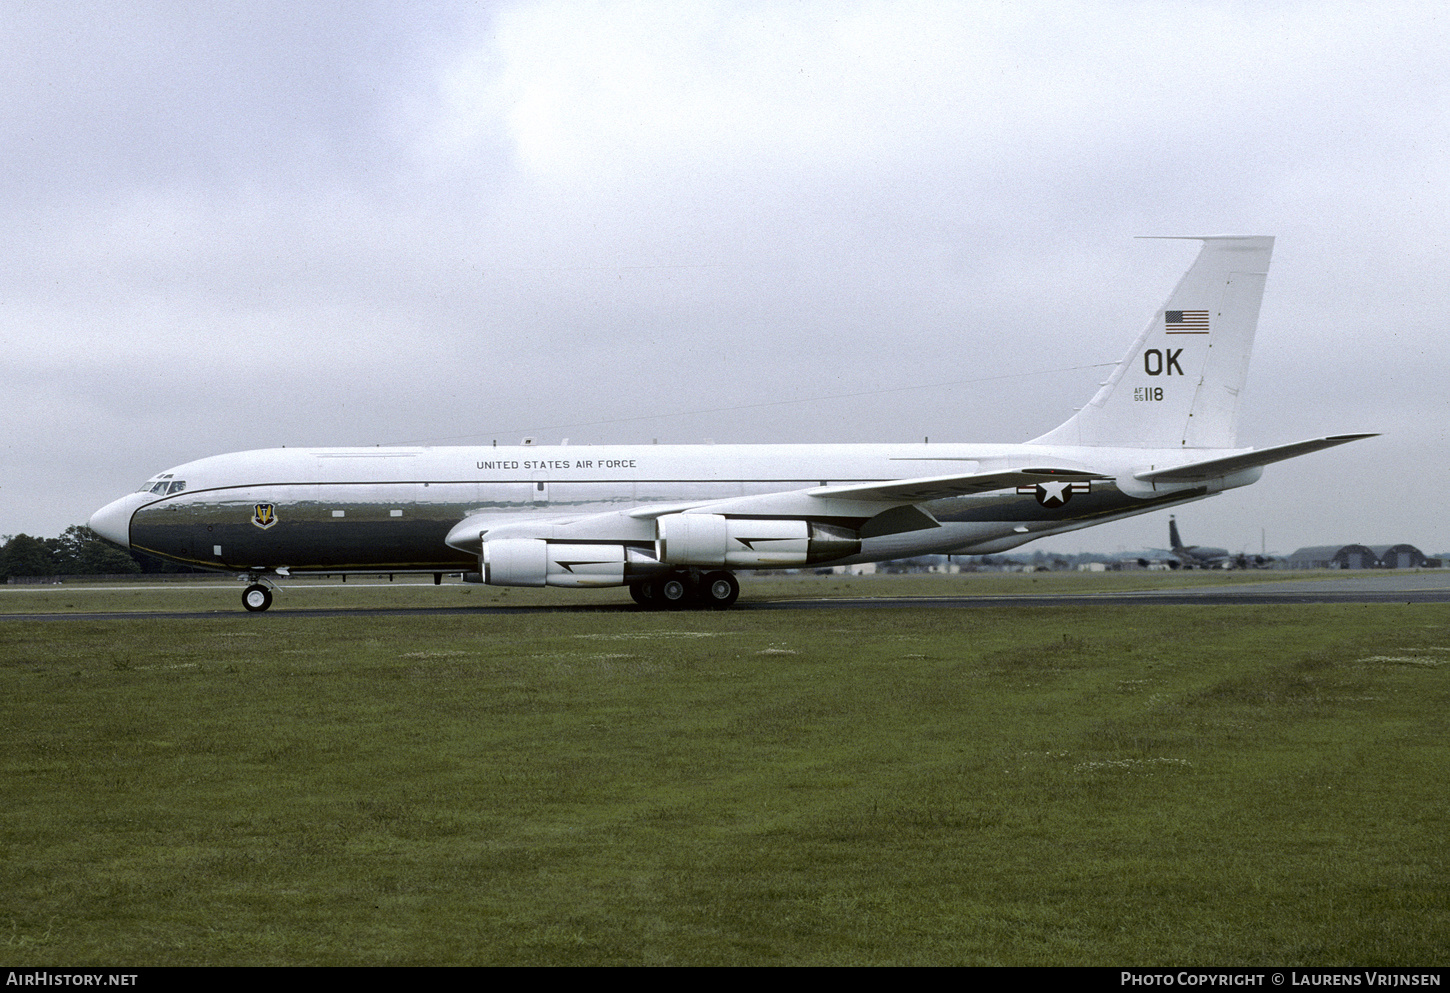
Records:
x=239, y=226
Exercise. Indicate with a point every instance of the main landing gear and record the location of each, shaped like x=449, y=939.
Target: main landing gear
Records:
x=687, y=591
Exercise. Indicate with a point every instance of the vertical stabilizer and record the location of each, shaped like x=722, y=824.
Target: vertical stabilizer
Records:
x=1179, y=385
x=1174, y=542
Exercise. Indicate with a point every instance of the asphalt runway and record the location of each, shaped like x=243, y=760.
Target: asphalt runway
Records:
x=1354, y=588
x=1384, y=587
x=1381, y=587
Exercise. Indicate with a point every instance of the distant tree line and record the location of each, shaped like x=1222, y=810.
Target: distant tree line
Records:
x=79, y=551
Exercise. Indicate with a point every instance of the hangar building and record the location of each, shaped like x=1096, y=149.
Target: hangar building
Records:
x=1400, y=556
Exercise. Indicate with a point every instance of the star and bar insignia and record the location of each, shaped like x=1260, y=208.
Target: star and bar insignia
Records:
x=1052, y=495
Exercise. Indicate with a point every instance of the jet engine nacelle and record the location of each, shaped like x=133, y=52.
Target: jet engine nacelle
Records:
x=535, y=562
x=710, y=540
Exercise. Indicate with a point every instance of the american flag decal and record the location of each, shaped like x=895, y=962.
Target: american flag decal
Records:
x=1185, y=321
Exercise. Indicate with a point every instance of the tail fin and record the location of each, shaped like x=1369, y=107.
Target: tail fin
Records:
x=1178, y=386
x=1174, y=542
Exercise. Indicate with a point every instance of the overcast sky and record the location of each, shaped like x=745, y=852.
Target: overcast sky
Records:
x=242, y=225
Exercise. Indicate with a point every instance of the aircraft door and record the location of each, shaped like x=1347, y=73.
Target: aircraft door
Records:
x=540, y=487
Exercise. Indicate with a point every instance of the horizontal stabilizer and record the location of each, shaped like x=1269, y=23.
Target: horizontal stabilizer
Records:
x=939, y=487
x=1214, y=468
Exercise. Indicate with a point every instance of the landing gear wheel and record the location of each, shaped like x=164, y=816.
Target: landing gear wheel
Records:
x=671, y=592
x=256, y=597
x=718, y=590
x=644, y=594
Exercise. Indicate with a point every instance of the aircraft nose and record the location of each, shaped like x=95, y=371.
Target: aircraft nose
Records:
x=113, y=521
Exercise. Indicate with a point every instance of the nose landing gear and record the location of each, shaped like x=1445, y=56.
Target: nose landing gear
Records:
x=258, y=595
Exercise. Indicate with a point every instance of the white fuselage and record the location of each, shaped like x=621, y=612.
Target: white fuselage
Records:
x=425, y=509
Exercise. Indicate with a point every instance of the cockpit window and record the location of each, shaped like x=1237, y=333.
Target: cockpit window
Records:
x=162, y=485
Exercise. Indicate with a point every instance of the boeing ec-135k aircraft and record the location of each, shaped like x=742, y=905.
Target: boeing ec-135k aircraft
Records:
x=671, y=522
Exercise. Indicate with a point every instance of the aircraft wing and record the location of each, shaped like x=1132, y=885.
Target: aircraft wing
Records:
x=651, y=511
x=1213, y=468
x=891, y=491
x=881, y=502
x=937, y=487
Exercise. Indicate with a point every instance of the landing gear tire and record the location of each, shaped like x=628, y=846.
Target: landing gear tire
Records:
x=256, y=598
x=671, y=592
x=644, y=594
x=718, y=590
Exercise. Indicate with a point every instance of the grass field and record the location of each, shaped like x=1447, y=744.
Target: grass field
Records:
x=1024, y=785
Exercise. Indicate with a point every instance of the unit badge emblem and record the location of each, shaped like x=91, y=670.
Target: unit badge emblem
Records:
x=264, y=515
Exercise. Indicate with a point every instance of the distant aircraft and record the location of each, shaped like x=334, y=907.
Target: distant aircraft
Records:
x=1197, y=556
x=673, y=522
x=1203, y=557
